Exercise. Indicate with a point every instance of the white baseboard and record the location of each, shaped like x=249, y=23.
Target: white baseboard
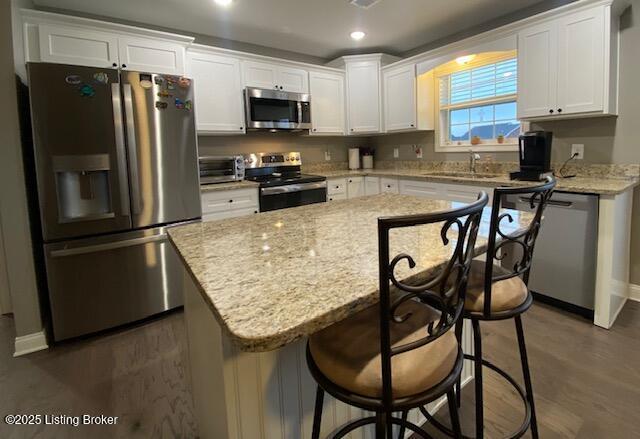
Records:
x=634, y=292
x=26, y=344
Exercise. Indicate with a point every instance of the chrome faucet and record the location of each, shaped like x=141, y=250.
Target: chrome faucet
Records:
x=473, y=158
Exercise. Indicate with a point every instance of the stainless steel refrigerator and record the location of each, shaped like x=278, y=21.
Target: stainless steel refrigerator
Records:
x=116, y=164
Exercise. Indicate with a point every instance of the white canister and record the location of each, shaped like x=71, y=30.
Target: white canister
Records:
x=354, y=158
x=367, y=162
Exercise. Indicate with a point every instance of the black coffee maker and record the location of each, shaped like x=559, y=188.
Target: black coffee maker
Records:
x=535, y=156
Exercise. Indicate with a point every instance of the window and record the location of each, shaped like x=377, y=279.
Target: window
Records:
x=477, y=106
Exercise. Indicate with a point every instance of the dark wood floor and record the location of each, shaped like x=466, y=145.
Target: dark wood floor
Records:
x=587, y=380
x=138, y=374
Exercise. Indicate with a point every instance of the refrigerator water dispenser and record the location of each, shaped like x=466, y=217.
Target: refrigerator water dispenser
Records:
x=82, y=186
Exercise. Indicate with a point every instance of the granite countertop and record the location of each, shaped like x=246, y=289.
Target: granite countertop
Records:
x=273, y=278
x=586, y=185
x=215, y=187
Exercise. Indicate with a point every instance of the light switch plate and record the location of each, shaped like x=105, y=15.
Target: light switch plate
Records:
x=396, y=153
x=577, y=148
x=327, y=156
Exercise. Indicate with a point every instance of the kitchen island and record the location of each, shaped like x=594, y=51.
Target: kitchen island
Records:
x=257, y=286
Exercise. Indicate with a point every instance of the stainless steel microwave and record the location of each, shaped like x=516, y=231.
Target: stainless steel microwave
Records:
x=220, y=169
x=277, y=110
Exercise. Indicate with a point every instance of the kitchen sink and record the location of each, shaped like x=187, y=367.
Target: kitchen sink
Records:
x=462, y=174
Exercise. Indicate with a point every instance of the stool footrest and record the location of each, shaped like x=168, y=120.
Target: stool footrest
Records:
x=527, y=418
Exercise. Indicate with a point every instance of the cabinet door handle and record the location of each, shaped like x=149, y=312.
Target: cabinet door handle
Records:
x=241, y=128
x=230, y=201
x=114, y=65
x=551, y=111
x=559, y=110
x=124, y=66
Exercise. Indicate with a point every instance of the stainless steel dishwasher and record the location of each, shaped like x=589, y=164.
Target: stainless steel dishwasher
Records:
x=564, y=261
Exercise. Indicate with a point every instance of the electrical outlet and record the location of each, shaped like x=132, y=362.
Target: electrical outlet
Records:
x=577, y=151
x=327, y=156
x=396, y=153
x=418, y=151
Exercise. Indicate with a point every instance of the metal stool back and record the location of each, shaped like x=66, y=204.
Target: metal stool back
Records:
x=524, y=240
x=444, y=291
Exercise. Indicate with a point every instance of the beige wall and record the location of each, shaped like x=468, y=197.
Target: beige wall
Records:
x=13, y=208
x=311, y=147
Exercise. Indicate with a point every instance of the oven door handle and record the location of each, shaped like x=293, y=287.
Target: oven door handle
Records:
x=293, y=188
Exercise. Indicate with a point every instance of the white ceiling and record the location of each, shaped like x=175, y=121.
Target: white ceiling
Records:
x=315, y=27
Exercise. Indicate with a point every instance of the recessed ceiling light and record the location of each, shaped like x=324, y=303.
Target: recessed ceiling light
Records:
x=357, y=35
x=223, y=2
x=462, y=60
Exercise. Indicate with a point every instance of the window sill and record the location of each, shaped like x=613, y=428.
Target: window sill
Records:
x=483, y=147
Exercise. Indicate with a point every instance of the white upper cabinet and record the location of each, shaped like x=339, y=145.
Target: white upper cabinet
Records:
x=537, y=71
x=400, y=99
x=581, y=60
x=363, y=96
x=273, y=76
x=292, y=79
x=69, y=45
x=568, y=66
x=150, y=55
x=259, y=74
x=327, y=103
x=218, y=93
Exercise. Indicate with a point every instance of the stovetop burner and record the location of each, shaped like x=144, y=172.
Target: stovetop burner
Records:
x=272, y=180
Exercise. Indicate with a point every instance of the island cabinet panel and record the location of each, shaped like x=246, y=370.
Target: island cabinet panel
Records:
x=262, y=395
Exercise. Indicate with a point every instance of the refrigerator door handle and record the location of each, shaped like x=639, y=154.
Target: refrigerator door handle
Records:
x=121, y=158
x=133, y=149
x=107, y=246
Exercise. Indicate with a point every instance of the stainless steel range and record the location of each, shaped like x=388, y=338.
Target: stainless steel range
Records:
x=282, y=184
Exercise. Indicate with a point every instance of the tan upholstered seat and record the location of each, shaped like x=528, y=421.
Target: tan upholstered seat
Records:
x=505, y=294
x=348, y=353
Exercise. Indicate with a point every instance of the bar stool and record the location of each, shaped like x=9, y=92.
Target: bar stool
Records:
x=403, y=352
x=498, y=292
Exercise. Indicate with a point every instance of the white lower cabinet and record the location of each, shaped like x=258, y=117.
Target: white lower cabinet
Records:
x=336, y=189
x=229, y=204
x=355, y=187
x=421, y=189
x=442, y=191
x=371, y=185
x=463, y=193
x=389, y=185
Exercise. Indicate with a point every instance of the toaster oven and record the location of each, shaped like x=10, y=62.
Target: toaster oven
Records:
x=220, y=169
